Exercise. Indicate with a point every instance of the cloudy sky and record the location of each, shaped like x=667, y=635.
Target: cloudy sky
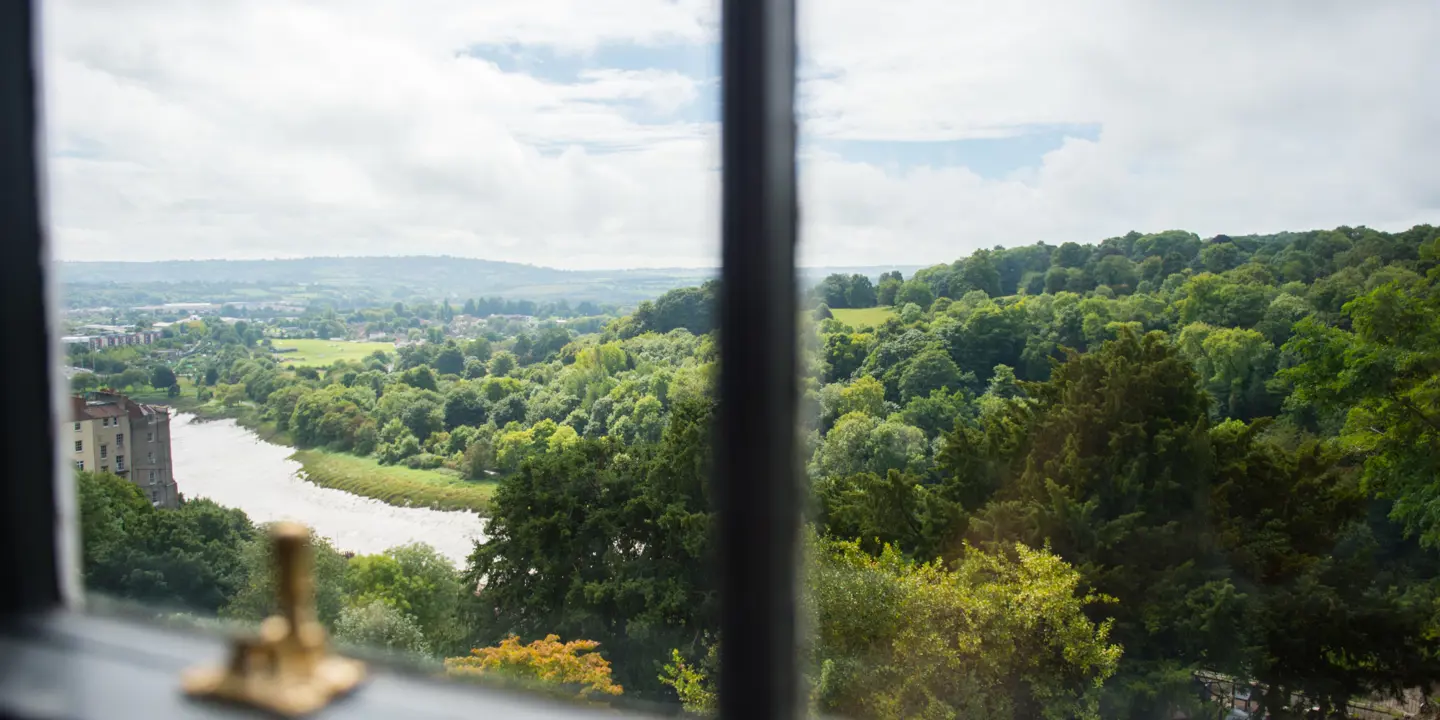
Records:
x=582, y=134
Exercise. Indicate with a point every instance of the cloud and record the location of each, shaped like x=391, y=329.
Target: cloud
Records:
x=243, y=128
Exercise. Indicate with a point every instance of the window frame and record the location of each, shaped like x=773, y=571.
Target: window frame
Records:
x=755, y=449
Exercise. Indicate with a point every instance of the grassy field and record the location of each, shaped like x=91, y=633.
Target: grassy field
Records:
x=153, y=396
x=320, y=353
x=863, y=317
x=401, y=486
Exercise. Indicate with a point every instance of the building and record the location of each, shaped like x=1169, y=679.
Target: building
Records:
x=100, y=342
x=109, y=432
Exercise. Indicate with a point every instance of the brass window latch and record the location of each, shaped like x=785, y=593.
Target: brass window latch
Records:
x=287, y=669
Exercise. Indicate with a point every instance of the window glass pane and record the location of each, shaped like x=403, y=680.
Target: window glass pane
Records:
x=435, y=279
x=1123, y=318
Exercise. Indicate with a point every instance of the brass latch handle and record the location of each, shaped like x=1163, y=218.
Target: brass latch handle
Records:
x=288, y=668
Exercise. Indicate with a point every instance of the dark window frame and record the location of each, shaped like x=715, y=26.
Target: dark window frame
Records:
x=45, y=636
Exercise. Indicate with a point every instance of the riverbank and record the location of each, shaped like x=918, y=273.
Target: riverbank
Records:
x=394, y=485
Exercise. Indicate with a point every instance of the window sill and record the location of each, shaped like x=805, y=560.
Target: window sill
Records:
x=83, y=667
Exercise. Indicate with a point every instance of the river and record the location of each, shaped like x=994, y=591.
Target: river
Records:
x=231, y=465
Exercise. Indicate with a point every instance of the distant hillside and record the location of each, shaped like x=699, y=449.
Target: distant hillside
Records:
x=359, y=278
x=370, y=279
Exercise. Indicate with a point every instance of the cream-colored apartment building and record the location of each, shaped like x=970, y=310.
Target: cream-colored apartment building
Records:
x=109, y=432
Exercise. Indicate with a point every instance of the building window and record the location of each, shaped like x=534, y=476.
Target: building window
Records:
x=152, y=477
x=77, y=427
x=104, y=451
x=150, y=436
x=105, y=422
x=119, y=440
x=119, y=463
x=79, y=464
x=79, y=446
x=150, y=456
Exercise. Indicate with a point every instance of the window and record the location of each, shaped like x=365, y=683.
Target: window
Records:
x=77, y=427
x=508, y=348
x=79, y=464
x=104, y=450
x=1035, y=456
x=105, y=422
x=79, y=446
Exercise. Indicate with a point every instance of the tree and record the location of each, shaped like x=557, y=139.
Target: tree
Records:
x=464, y=405
x=929, y=371
x=478, y=348
x=187, y=558
x=861, y=443
x=378, y=625
x=511, y=408
x=421, y=377
x=888, y=287
x=865, y=395
x=585, y=543
x=449, y=361
x=255, y=600
x=895, y=508
x=978, y=272
x=573, y=666
x=937, y=412
x=1071, y=255
x=83, y=382
x=914, y=291
x=212, y=376
x=417, y=582
x=1003, y=635
x=1235, y=365
x=1382, y=378
x=502, y=363
x=1112, y=475
x=479, y=455
x=845, y=353
x=162, y=377
x=130, y=377
x=1117, y=271
x=230, y=395
x=1337, y=606
x=690, y=308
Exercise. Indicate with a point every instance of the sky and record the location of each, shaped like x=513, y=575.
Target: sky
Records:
x=577, y=134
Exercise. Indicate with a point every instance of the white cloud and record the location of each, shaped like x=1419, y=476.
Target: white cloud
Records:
x=247, y=128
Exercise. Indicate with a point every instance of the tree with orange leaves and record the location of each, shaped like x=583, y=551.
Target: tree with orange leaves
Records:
x=573, y=665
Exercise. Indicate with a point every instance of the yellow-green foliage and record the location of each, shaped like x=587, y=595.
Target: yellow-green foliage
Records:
x=544, y=436
x=1002, y=635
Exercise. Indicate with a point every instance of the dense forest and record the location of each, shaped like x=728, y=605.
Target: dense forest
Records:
x=1051, y=482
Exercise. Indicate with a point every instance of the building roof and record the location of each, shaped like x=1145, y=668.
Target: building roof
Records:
x=97, y=405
